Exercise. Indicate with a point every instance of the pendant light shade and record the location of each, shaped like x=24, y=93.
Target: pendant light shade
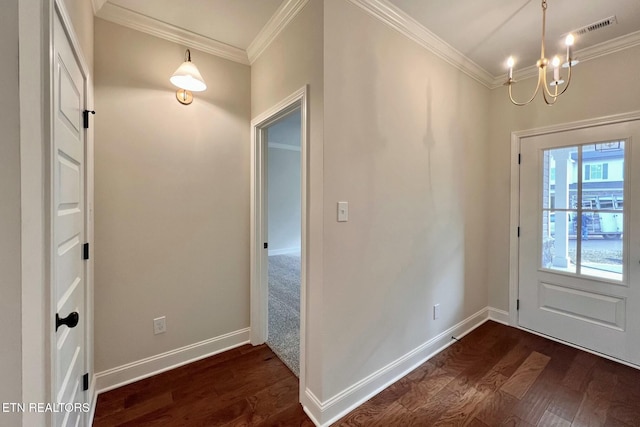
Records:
x=188, y=79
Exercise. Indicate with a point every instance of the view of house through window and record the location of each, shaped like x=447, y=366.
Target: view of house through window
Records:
x=584, y=237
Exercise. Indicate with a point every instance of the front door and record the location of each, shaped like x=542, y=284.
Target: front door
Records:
x=579, y=271
x=68, y=222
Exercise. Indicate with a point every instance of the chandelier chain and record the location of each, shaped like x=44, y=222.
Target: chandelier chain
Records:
x=544, y=27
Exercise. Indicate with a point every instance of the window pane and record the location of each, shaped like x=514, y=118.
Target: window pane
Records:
x=558, y=241
x=593, y=223
x=602, y=249
x=602, y=217
x=608, y=192
x=559, y=178
x=603, y=184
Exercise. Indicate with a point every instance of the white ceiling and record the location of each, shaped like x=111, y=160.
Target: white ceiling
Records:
x=485, y=32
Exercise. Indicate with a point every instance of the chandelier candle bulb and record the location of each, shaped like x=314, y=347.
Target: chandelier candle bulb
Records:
x=556, y=70
x=510, y=64
x=569, y=42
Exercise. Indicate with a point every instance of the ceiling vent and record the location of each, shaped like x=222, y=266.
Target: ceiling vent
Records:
x=596, y=26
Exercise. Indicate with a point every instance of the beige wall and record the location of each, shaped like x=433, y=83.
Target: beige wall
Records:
x=171, y=198
x=406, y=139
x=10, y=221
x=600, y=87
x=284, y=199
x=295, y=59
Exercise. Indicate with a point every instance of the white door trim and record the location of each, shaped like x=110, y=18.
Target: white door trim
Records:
x=259, y=296
x=514, y=221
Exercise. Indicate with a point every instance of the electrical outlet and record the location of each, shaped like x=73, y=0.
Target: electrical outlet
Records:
x=159, y=325
x=436, y=311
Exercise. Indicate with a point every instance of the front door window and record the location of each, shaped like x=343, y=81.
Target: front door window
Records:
x=586, y=237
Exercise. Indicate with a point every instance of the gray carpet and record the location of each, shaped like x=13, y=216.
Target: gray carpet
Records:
x=284, y=309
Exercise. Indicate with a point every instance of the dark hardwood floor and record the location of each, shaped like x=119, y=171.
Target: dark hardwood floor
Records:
x=494, y=376
x=246, y=386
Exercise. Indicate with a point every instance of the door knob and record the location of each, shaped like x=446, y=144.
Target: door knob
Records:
x=71, y=321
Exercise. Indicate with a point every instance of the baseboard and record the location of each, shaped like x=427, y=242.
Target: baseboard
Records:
x=132, y=372
x=285, y=251
x=499, y=316
x=311, y=415
x=329, y=411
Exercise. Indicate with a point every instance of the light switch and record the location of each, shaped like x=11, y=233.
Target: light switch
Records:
x=343, y=211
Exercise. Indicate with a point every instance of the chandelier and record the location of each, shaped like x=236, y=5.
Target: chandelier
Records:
x=550, y=91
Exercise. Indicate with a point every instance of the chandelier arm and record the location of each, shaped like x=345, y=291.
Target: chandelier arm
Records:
x=520, y=104
x=549, y=100
x=568, y=81
x=556, y=94
x=546, y=86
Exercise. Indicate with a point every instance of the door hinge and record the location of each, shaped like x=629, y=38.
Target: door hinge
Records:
x=85, y=382
x=519, y=158
x=518, y=231
x=517, y=304
x=85, y=117
x=85, y=251
x=266, y=245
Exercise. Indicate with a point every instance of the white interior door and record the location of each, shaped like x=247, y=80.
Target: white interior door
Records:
x=579, y=271
x=68, y=222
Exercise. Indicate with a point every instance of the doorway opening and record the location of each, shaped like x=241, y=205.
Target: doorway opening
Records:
x=279, y=160
x=283, y=200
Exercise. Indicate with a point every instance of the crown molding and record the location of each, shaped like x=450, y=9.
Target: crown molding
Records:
x=145, y=24
x=610, y=46
x=288, y=10
x=400, y=21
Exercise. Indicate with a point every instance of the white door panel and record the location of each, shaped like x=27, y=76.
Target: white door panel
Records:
x=579, y=271
x=68, y=187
